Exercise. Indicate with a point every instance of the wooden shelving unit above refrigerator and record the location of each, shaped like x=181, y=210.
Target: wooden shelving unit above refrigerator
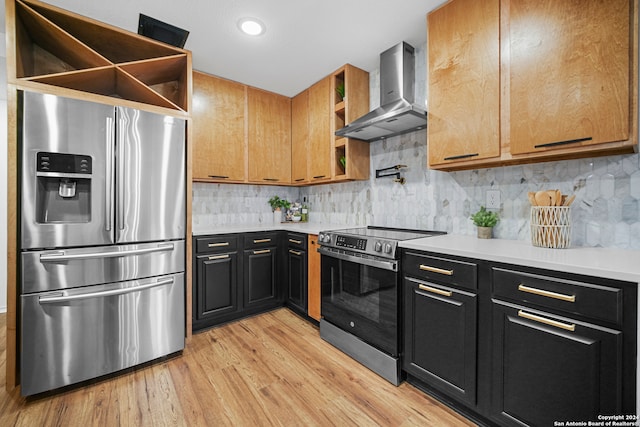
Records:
x=58, y=48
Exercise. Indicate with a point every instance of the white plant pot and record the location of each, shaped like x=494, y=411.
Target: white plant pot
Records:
x=277, y=217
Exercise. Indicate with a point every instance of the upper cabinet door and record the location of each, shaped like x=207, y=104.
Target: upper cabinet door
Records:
x=464, y=81
x=569, y=73
x=300, y=138
x=218, y=118
x=320, y=137
x=269, y=137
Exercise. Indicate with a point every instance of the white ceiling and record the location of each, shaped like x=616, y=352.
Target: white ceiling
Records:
x=305, y=39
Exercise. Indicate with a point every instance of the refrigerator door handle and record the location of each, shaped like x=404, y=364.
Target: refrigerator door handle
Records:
x=62, y=256
x=122, y=291
x=121, y=138
x=109, y=177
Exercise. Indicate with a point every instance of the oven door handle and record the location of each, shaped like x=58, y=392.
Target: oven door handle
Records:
x=390, y=265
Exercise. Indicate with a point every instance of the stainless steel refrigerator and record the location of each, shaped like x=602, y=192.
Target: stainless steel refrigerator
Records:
x=102, y=239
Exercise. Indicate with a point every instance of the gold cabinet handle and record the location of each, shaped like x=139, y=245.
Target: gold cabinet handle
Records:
x=436, y=270
x=218, y=257
x=217, y=245
x=264, y=251
x=261, y=240
x=297, y=242
x=435, y=290
x=549, y=294
x=291, y=251
x=565, y=326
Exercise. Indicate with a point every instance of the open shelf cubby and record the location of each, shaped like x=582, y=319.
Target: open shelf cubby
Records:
x=60, y=48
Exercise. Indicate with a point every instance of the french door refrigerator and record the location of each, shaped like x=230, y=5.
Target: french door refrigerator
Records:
x=102, y=239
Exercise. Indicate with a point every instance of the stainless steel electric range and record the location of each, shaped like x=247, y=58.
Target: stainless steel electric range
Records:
x=360, y=276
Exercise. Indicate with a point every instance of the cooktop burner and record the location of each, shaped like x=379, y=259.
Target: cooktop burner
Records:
x=377, y=241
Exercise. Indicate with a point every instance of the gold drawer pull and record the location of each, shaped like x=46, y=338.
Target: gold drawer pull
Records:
x=435, y=290
x=217, y=245
x=549, y=294
x=297, y=242
x=436, y=270
x=565, y=326
x=291, y=251
x=264, y=251
x=218, y=257
x=262, y=241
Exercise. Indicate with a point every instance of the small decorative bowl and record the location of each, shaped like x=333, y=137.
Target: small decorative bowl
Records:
x=296, y=218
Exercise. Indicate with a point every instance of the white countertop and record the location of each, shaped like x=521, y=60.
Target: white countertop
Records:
x=298, y=227
x=610, y=263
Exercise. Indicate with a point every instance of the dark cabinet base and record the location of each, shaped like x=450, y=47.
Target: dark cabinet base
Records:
x=543, y=373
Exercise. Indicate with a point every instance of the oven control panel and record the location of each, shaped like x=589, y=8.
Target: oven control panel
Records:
x=359, y=244
x=351, y=242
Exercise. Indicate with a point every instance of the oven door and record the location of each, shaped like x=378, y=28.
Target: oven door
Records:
x=360, y=295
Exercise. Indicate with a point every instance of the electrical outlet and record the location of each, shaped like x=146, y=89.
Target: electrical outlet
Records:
x=493, y=199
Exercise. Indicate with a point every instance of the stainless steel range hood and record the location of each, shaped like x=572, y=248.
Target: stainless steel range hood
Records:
x=398, y=113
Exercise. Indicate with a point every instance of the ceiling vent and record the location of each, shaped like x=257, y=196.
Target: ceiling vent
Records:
x=161, y=31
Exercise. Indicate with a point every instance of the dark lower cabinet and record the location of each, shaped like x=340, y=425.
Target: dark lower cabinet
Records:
x=296, y=269
x=519, y=346
x=548, y=368
x=440, y=337
x=236, y=275
x=260, y=277
x=216, y=274
x=217, y=278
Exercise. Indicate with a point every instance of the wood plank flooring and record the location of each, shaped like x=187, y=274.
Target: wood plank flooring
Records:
x=268, y=370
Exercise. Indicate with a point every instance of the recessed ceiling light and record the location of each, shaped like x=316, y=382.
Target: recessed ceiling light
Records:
x=251, y=26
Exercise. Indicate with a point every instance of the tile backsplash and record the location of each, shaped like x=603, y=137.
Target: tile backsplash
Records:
x=606, y=211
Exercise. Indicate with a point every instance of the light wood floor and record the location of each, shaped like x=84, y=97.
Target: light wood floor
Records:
x=272, y=369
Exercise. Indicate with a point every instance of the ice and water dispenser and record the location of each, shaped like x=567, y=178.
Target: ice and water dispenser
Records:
x=63, y=192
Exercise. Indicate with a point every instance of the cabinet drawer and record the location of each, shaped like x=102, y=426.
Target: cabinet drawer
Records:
x=297, y=241
x=260, y=240
x=586, y=299
x=220, y=243
x=442, y=270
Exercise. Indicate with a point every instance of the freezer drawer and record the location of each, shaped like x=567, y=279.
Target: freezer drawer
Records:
x=79, y=334
x=69, y=268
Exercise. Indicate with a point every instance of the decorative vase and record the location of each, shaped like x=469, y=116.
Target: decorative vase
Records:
x=277, y=216
x=485, y=232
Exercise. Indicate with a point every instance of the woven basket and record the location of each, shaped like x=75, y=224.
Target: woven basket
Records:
x=551, y=226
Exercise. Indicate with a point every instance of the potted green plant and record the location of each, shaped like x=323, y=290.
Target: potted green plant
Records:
x=277, y=206
x=485, y=221
x=340, y=90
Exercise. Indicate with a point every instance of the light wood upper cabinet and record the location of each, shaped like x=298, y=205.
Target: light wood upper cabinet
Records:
x=245, y=134
x=320, y=135
x=269, y=137
x=464, y=81
x=569, y=73
x=300, y=138
x=218, y=125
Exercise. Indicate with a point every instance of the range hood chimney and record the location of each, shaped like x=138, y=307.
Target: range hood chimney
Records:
x=397, y=113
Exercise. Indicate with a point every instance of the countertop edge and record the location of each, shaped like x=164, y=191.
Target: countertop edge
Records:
x=617, y=264
x=296, y=227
